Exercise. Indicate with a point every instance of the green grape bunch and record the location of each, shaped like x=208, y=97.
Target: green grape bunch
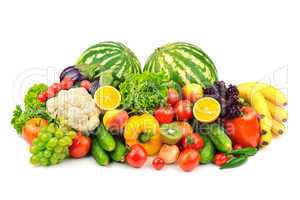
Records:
x=51, y=146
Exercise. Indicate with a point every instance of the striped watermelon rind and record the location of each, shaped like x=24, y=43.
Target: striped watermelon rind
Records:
x=108, y=56
x=183, y=62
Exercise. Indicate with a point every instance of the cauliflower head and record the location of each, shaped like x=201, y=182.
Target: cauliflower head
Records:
x=76, y=107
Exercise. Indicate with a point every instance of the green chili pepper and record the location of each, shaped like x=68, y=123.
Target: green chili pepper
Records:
x=235, y=162
x=248, y=151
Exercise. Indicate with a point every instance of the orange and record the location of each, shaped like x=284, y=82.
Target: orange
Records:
x=206, y=109
x=107, y=98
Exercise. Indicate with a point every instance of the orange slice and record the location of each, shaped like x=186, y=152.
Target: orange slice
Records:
x=206, y=109
x=107, y=97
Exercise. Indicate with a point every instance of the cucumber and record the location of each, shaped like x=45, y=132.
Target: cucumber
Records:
x=219, y=138
x=208, y=151
x=105, y=139
x=99, y=154
x=119, y=153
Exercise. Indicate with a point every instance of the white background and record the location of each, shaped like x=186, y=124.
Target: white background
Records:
x=247, y=40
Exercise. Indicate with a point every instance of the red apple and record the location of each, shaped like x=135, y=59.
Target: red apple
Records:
x=184, y=110
x=192, y=92
x=173, y=97
x=115, y=120
x=32, y=128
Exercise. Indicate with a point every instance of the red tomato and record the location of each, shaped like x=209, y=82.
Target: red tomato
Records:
x=81, y=146
x=42, y=97
x=244, y=130
x=236, y=146
x=137, y=156
x=50, y=93
x=86, y=84
x=184, y=110
x=188, y=159
x=66, y=83
x=158, y=163
x=173, y=97
x=193, y=141
x=220, y=159
x=164, y=115
x=56, y=87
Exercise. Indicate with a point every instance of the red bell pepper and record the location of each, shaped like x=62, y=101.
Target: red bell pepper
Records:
x=244, y=130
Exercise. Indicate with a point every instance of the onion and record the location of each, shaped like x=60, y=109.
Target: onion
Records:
x=73, y=73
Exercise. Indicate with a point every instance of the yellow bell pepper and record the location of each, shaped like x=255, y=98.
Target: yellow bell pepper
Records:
x=144, y=130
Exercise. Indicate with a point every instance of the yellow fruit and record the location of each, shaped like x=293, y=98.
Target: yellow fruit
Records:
x=278, y=113
x=271, y=93
x=107, y=98
x=278, y=128
x=206, y=109
x=266, y=134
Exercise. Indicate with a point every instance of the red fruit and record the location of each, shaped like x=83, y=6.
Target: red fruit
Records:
x=173, y=97
x=236, y=146
x=81, y=146
x=220, y=159
x=50, y=93
x=188, y=159
x=184, y=110
x=158, y=163
x=193, y=141
x=137, y=156
x=42, y=97
x=164, y=115
x=185, y=128
x=66, y=83
x=86, y=84
x=192, y=92
x=115, y=120
x=244, y=130
x=56, y=87
x=32, y=128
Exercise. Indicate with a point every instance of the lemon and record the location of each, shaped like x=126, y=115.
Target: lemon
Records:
x=206, y=109
x=107, y=97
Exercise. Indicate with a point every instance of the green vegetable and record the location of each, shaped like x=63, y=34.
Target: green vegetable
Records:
x=105, y=139
x=20, y=117
x=144, y=92
x=248, y=151
x=235, y=162
x=218, y=136
x=51, y=146
x=119, y=153
x=31, y=100
x=208, y=151
x=99, y=154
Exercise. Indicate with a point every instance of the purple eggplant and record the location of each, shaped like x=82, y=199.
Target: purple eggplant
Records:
x=95, y=86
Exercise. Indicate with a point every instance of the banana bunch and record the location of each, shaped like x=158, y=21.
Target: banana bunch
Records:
x=269, y=103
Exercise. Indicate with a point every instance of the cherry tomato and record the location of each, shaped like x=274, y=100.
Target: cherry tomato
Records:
x=50, y=93
x=220, y=159
x=86, y=84
x=194, y=141
x=137, y=156
x=81, y=146
x=66, y=83
x=184, y=110
x=236, y=146
x=164, y=115
x=188, y=159
x=56, y=87
x=173, y=97
x=158, y=163
x=42, y=97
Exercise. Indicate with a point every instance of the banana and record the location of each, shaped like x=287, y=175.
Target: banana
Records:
x=278, y=128
x=271, y=93
x=260, y=105
x=278, y=113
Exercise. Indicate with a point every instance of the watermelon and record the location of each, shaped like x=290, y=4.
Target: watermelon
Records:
x=183, y=62
x=108, y=57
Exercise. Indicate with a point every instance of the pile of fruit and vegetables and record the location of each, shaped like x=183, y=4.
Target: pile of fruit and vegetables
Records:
x=174, y=111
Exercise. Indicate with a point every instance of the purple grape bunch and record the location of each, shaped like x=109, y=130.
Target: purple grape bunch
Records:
x=228, y=97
